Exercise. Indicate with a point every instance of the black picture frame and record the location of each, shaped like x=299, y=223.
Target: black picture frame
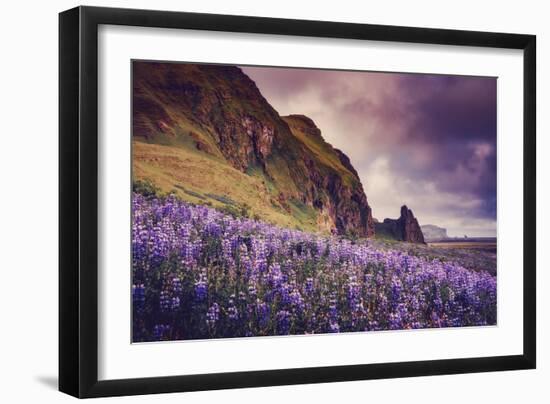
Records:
x=78, y=201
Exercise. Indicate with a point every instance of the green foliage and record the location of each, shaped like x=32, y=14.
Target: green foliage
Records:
x=352, y=235
x=245, y=210
x=223, y=199
x=303, y=212
x=239, y=211
x=145, y=188
x=190, y=192
x=230, y=210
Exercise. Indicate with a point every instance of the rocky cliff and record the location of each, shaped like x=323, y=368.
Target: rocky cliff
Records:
x=432, y=232
x=207, y=132
x=405, y=228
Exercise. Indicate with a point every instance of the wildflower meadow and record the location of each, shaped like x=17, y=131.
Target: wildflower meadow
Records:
x=199, y=273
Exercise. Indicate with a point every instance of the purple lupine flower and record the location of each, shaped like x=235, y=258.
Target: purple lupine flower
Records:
x=201, y=288
x=232, y=313
x=262, y=313
x=175, y=303
x=160, y=331
x=138, y=295
x=283, y=322
x=333, y=326
x=309, y=286
x=213, y=314
x=296, y=300
x=252, y=292
x=176, y=285
x=333, y=310
x=165, y=302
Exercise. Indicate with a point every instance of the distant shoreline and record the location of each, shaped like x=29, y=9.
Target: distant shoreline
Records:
x=464, y=240
x=485, y=244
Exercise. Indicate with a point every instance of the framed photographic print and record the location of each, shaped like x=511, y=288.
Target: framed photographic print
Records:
x=251, y=201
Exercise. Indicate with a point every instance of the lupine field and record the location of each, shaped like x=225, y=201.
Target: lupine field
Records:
x=199, y=273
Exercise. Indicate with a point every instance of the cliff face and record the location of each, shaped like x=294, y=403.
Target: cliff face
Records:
x=333, y=186
x=432, y=232
x=218, y=112
x=405, y=228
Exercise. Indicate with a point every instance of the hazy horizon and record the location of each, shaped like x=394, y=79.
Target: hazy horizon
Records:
x=425, y=141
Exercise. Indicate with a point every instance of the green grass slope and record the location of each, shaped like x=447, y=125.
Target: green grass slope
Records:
x=200, y=178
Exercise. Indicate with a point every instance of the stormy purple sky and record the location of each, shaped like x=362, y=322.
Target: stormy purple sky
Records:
x=427, y=141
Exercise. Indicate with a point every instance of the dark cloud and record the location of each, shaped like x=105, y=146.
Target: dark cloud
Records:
x=425, y=140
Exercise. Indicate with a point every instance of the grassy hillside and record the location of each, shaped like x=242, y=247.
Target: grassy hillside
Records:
x=200, y=178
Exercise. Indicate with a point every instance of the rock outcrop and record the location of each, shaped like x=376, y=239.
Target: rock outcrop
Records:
x=432, y=232
x=405, y=228
x=220, y=112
